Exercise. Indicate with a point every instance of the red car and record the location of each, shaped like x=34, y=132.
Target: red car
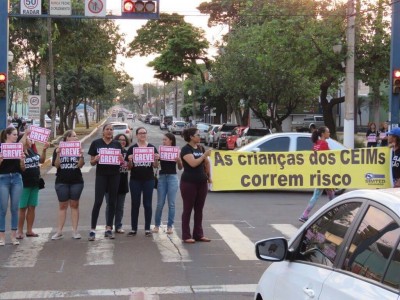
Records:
x=231, y=140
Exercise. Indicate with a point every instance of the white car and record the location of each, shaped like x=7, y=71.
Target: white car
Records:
x=286, y=141
x=119, y=127
x=348, y=250
x=177, y=127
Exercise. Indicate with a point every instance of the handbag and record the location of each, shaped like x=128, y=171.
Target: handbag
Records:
x=41, y=183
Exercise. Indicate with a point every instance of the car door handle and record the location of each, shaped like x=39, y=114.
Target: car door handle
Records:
x=309, y=292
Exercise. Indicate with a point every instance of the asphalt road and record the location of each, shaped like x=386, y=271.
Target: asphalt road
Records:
x=140, y=267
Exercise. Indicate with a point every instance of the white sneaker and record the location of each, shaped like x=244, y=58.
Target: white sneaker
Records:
x=2, y=242
x=76, y=236
x=57, y=236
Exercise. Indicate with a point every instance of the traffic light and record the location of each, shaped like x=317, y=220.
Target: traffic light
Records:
x=138, y=6
x=396, y=81
x=3, y=85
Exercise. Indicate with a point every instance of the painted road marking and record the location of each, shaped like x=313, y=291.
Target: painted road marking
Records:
x=287, y=229
x=168, y=290
x=27, y=253
x=170, y=246
x=100, y=251
x=240, y=244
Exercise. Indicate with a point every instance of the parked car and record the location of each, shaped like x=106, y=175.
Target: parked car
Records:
x=154, y=120
x=222, y=134
x=129, y=116
x=251, y=134
x=286, y=141
x=348, y=250
x=147, y=119
x=165, y=121
x=176, y=127
x=119, y=127
x=212, y=129
x=233, y=140
x=203, y=130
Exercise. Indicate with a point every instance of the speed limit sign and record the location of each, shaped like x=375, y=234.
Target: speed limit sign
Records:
x=31, y=7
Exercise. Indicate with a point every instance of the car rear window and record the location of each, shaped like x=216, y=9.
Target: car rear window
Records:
x=119, y=127
x=180, y=124
x=257, y=132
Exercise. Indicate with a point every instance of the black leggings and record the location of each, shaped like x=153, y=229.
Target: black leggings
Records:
x=110, y=184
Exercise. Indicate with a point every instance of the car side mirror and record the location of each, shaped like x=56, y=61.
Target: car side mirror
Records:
x=274, y=249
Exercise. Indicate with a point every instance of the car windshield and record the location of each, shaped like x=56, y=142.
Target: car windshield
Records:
x=180, y=124
x=119, y=127
x=202, y=126
x=257, y=132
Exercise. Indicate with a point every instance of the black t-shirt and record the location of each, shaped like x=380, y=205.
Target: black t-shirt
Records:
x=167, y=167
x=10, y=166
x=197, y=174
x=94, y=150
x=141, y=171
x=31, y=175
x=396, y=164
x=68, y=172
x=123, y=179
x=372, y=137
x=17, y=123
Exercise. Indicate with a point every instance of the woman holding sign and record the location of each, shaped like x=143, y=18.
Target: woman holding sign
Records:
x=68, y=159
x=11, y=166
x=105, y=154
x=319, y=138
x=30, y=178
x=142, y=157
x=194, y=185
x=167, y=181
x=372, y=135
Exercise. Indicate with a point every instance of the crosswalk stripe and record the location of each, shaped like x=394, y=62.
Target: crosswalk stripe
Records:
x=163, y=290
x=170, y=247
x=100, y=251
x=287, y=229
x=240, y=244
x=26, y=256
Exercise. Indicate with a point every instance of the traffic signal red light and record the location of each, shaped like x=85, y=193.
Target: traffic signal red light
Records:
x=396, y=81
x=3, y=85
x=138, y=6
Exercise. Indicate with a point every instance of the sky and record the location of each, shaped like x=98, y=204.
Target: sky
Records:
x=136, y=66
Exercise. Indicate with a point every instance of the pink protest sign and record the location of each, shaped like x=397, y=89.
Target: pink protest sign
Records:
x=11, y=150
x=143, y=154
x=109, y=156
x=71, y=149
x=39, y=134
x=169, y=153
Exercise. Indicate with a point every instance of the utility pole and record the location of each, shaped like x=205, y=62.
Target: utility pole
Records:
x=348, y=134
x=4, y=6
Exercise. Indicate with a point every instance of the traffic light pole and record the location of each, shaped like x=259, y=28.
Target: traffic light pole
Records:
x=394, y=98
x=4, y=59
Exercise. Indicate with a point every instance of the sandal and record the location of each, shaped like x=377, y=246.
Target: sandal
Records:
x=32, y=234
x=203, y=239
x=189, y=241
x=19, y=236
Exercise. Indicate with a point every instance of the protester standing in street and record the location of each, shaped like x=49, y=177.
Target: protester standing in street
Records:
x=194, y=185
x=394, y=141
x=141, y=182
x=372, y=135
x=10, y=186
x=107, y=180
x=69, y=185
x=30, y=178
x=383, y=134
x=123, y=188
x=319, y=138
x=167, y=186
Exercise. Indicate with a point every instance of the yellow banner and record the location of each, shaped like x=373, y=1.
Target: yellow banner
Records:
x=368, y=168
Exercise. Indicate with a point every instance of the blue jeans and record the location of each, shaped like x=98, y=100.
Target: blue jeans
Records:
x=167, y=187
x=119, y=210
x=10, y=188
x=317, y=193
x=137, y=187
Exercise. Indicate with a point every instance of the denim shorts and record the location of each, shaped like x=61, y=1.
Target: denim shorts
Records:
x=67, y=191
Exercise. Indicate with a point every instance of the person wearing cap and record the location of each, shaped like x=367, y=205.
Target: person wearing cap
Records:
x=394, y=142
